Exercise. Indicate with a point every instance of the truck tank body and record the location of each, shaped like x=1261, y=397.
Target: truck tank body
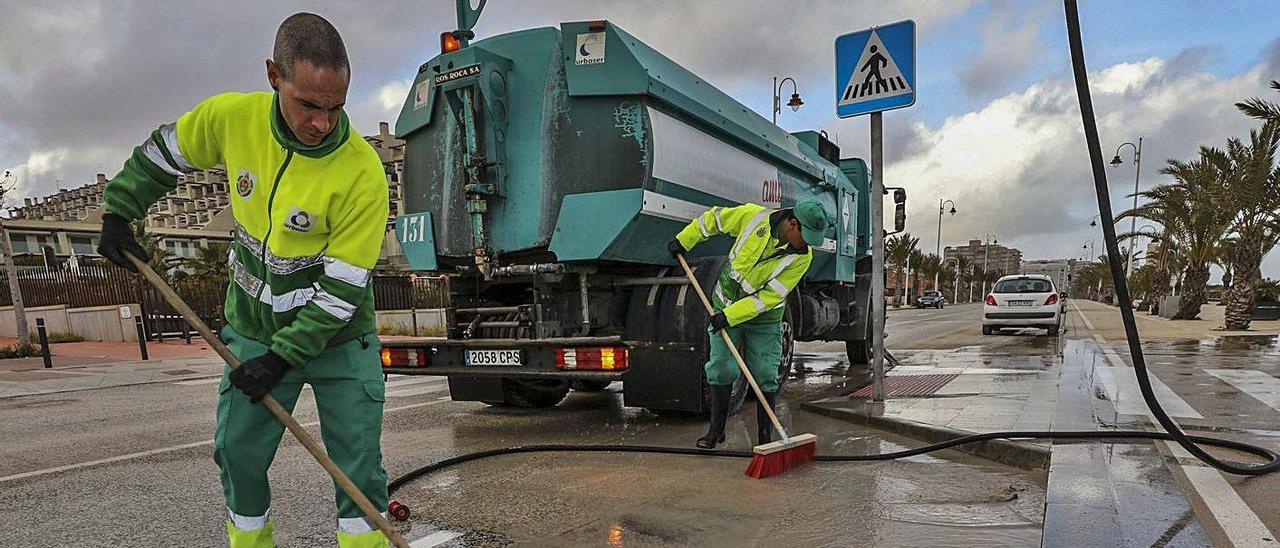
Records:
x=602, y=159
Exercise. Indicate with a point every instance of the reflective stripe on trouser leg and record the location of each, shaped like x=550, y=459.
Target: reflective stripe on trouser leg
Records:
x=247, y=434
x=349, y=390
x=761, y=347
x=371, y=539
x=255, y=538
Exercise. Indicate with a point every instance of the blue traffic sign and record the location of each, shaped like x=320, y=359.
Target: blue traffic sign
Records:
x=876, y=69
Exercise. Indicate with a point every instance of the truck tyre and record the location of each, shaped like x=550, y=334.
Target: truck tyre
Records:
x=589, y=386
x=860, y=352
x=532, y=393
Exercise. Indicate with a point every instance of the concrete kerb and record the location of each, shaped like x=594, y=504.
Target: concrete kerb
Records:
x=1027, y=456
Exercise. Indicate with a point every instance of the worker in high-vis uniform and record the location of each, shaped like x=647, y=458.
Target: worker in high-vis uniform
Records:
x=309, y=198
x=770, y=254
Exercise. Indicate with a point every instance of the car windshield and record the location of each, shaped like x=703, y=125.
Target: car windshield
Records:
x=1023, y=286
x=932, y=294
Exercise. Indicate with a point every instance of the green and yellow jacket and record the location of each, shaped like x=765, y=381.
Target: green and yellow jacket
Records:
x=309, y=220
x=762, y=270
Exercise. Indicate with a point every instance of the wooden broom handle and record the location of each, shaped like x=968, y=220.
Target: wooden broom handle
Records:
x=270, y=403
x=764, y=403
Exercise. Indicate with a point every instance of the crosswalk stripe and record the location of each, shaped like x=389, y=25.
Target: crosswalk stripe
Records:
x=1261, y=386
x=435, y=539
x=416, y=391
x=1121, y=383
x=406, y=380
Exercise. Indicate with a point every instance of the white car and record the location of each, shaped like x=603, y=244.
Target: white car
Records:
x=1025, y=300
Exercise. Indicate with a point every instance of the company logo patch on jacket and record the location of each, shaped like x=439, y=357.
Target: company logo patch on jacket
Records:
x=299, y=220
x=245, y=183
x=760, y=233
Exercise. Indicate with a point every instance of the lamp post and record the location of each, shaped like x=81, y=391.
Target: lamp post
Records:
x=1137, y=172
x=1088, y=244
x=955, y=287
x=986, y=252
x=938, y=249
x=795, y=101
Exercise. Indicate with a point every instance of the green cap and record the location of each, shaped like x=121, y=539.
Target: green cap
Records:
x=813, y=221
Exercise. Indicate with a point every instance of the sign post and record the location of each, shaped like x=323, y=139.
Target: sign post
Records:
x=875, y=72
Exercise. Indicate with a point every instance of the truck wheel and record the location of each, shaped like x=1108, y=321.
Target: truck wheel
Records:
x=534, y=393
x=861, y=352
x=588, y=386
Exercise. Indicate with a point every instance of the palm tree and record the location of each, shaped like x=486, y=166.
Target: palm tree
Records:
x=162, y=261
x=1251, y=194
x=1262, y=109
x=209, y=262
x=931, y=267
x=916, y=258
x=1195, y=201
x=897, y=250
x=966, y=276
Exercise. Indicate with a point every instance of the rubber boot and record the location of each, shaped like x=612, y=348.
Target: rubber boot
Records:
x=764, y=427
x=719, y=414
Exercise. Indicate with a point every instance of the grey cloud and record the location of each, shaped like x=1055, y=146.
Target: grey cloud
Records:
x=1011, y=44
x=94, y=77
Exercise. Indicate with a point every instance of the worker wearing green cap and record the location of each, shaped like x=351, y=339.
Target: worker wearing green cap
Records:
x=769, y=256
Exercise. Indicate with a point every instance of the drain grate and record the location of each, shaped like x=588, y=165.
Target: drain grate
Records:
x=176, y=372
x=908, y=385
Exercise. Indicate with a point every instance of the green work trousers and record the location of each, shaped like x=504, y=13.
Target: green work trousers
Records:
x=760, y=344
x=348, y=385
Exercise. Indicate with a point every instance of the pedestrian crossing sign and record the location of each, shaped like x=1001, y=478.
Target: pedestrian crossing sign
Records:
x=876, y=69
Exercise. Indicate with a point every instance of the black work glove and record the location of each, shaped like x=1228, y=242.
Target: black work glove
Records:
x=675, y=248
x=117, y=239
x=719, y=322
x=256, y=376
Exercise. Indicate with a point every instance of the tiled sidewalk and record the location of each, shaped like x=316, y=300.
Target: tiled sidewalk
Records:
x=67, y=379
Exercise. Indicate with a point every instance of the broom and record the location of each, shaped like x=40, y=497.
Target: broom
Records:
x=774, y=458
x=373, y=514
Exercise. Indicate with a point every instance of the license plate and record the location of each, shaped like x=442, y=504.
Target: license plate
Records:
x=1022, y=303
x=493, y=357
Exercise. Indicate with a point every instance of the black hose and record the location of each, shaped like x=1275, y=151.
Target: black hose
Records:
x=1117, y=262
x=1172, y=431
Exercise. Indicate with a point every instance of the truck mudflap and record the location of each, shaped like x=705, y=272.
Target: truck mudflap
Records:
x=665, y=376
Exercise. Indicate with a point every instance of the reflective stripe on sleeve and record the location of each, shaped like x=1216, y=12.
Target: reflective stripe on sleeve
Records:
x=152, y=152
x=347, y=272
x=169, y=134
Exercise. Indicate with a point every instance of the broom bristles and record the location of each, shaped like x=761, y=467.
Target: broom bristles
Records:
x=773, y=464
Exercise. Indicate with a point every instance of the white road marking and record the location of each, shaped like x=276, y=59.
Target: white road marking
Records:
x=211, y=380
x=406, y=380
x=1087, y=323
x=417, y=391
x=1121, y=383
x=1261, y=386
x=171, y=448
x=435, y=539
x=1237, y=520
x=1242, y=526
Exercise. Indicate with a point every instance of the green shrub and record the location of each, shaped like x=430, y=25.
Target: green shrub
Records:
x=8, y=352
x=56, y=337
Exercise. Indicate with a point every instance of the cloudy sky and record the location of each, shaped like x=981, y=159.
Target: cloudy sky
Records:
x=995, y=127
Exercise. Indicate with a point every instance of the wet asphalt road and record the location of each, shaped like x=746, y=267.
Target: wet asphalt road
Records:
x=159, y=485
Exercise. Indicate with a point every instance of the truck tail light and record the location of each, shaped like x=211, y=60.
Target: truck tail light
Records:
x=404, y=357
x=991, y=300
x=606, y=358
x=1053, y=299
x=449, y=43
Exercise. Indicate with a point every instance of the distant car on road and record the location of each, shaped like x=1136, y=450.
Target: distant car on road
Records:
x=931, y=299
x=1026, y=300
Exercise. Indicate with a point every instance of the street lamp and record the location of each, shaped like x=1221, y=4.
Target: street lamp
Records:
x=955, y=288
x=1137, y=172
x=795, y=101
x=1094, y=220
x=1089, y=244
x=938, y=249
